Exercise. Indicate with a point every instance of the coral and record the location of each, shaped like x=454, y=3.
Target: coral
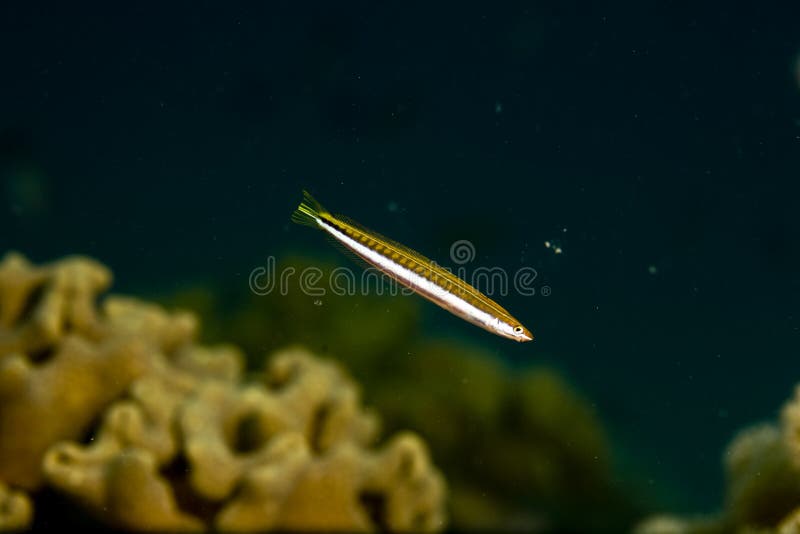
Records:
x=790, y=524
x=16, y=510
x=38, y=305
x=665, y=524
x=41, y=404
x=763, y=485
x=310, y=397
x=394, y=489
x=264, y=458
x=762, y=467
x=59, y=364
x=172, y=438
x=62, y=361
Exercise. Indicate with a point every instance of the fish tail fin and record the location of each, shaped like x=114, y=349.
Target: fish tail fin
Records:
x=309, y=211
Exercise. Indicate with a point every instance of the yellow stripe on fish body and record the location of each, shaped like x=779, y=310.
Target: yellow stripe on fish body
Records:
x=413, y=270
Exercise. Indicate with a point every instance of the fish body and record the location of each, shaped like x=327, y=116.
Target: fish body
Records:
x=413, y=270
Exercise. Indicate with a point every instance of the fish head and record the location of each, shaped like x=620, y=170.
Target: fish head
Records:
x=521, y=334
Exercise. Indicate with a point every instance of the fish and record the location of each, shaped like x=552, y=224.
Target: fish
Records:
x=413, y=270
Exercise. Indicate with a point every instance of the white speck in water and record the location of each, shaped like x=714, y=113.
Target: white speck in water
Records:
x=652, y=269
x=555, y=248
x=318, y=302
x=498, y=107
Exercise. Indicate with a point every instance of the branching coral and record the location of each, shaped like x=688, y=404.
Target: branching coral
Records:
x=62, y=361
x=225, y=429
x=394, y=489
x=183, y=444
x=41, y=404
x=287, y=459
x=60, y=364
x=39, y=305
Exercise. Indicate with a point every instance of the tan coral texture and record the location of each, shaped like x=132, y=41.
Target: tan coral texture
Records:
x=58, y=370
x=253, y=457
x=117, y=407
x=16, y=510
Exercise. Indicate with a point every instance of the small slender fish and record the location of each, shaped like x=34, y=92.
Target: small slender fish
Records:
x=413, y=270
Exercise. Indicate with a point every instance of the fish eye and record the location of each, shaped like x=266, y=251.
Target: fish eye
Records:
x=517, y=329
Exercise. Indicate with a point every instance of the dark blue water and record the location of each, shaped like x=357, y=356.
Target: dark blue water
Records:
x=656, y=144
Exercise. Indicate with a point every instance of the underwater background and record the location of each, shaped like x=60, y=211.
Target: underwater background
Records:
x=654, y=145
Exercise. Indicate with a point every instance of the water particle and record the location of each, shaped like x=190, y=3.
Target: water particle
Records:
x=554, y=247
